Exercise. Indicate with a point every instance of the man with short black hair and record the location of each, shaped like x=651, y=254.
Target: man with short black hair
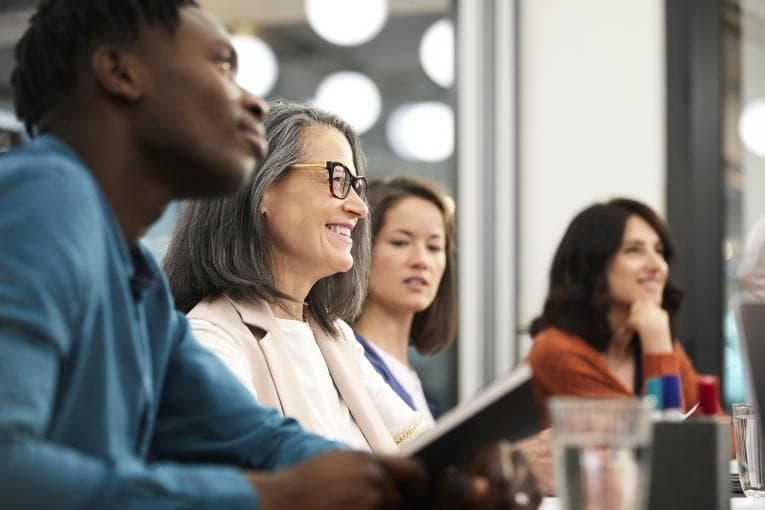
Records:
x=105, y=399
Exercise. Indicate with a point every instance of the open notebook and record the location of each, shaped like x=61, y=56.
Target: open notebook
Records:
x=503, y=410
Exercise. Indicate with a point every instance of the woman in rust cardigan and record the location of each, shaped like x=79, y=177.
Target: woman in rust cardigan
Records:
x=607, y=324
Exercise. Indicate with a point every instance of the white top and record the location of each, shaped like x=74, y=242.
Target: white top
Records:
x=315, y=380
x=409, y=380
x=751, y=267
x=326, y=405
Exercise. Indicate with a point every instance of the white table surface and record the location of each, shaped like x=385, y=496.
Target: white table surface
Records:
x=735, y=504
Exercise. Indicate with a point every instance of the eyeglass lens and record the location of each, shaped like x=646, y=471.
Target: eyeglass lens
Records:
x=343, y=179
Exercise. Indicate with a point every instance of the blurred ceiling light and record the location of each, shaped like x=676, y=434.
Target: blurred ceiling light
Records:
x=258, y=67
x=437, y=52
x=346, y=22
x=422, y=131
x=751, y=127
x=728, y=250
x=351, y=95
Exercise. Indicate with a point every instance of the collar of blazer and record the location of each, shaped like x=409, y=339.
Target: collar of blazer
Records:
x=338, y=355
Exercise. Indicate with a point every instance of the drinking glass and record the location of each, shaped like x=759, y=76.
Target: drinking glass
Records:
x=601, y=451
x=749, y=450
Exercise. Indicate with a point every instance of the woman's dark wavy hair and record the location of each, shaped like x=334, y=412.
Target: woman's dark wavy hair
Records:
x=435, y=327
x=61, y=37
x=577, y=300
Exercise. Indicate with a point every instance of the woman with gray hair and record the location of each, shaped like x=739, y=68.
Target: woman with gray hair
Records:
x=269, y=276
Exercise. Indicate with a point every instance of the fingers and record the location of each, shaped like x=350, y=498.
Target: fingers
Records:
x=391, y=496
x=537, y=451
x=402, y=468
x=402, y=475
x=386, y=479
x=498, y=478
x=345, y=480
x=525, y=492
x=651, y=322
x=459, y=490
x=476, y=488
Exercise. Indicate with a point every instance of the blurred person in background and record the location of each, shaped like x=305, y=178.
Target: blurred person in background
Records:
x=607, y=322
x=412, y=295
x=411, y=298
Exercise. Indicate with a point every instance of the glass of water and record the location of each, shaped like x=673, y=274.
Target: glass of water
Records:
x=601, y=451
x=749, y=450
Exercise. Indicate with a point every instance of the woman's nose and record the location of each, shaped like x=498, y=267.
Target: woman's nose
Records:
x=657, y=262
x=355, y=205
x=419, y=256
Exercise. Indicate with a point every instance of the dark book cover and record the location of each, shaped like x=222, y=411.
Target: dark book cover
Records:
x=503, y=410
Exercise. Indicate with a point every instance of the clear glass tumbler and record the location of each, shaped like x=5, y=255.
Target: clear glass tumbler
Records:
x=749, y=450
x=601, y=452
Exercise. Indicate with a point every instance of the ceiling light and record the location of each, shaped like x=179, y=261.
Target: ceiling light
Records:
x=422, y=131
x=751, y=127
x=258, y=67
x=351, y=95
x=346, y=22
x=437, y=52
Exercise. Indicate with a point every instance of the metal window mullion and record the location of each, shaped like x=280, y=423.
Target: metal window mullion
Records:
x=504, y=145
x=470, y=178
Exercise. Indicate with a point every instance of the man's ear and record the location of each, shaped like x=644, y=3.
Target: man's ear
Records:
x=117, y=72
